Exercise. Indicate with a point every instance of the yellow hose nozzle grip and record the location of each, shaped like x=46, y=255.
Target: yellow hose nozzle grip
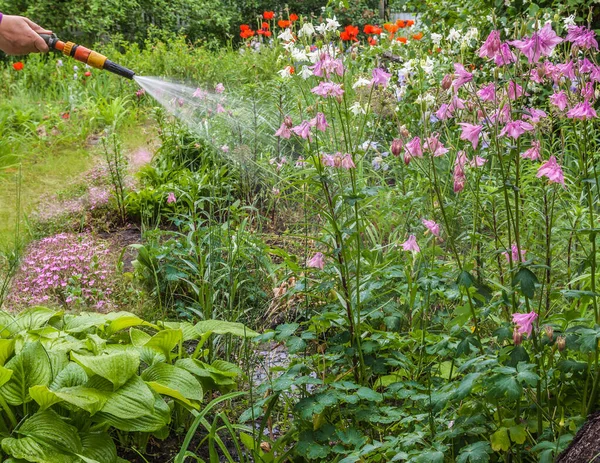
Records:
x=96, y=60
x=68, y=48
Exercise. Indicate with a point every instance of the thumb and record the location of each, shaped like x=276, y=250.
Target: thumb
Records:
x=41, y=45
x=36, y=28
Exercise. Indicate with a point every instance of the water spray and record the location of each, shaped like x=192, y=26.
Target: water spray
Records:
x=86, y=56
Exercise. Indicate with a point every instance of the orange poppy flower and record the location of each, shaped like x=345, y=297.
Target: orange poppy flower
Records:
x=247, y=33
x=268, y=15
x=18, y=66
x=284, y=23
x=401, y=23
x=418, y=36
x=265, y=26
x=401, y=39
x=350, y=33
x=410, y=23
x=390, y=27
x=293, y=17
x=244, y=27
x=368, y=29
x=377, y=30
x=372, y=41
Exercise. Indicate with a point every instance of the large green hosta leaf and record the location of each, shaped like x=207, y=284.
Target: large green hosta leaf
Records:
x=98, y=447
x=83, y=321
x=30, y=367
x=7, y=348
x=220, y=375
x=173, y=381
x=117, y=367
x=165, y=341
x=45, y=438
x=31, y=319
x=223, y=327
x=90, y=400
x=122, y=320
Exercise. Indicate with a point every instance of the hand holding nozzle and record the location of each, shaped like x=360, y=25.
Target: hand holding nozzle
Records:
x=20, y=36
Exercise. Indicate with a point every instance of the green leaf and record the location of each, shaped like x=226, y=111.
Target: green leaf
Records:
x=165, y=341
x=157, y=415
x=7, y=348
x=98, y=447
x=475, y=453
x=508, y=385
x=295, y=344
x=83, y=322
x=30, y=367
x=32, y=319
x=465, y=386
x=500, y=440
x=46, y=438
x=527, y=281
x=173, y=381
x=223, y=327
x=518, y=434
x=116, y=367
x=82, y=397
x=369, y=394
x=465, y=279
x=123, y=320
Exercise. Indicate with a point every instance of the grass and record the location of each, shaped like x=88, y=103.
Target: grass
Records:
x=46, y=171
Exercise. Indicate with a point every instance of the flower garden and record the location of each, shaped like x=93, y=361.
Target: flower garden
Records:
x=334, y=237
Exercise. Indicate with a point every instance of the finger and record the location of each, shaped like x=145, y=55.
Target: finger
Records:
x=40, y=45
x=36, y=28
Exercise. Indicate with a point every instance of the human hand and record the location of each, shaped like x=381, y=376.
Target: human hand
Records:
x=20, y=36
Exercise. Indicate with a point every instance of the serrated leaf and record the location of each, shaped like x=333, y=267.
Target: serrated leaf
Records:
x=527, y=280
x=518, y=434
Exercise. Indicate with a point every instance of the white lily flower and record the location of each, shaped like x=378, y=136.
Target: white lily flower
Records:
x=307, y=30
x=362, y=82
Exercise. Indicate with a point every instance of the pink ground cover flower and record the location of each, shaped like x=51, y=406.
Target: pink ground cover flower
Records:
x=317, y=261
x=524, y=322
x=533, y=153
x=470, y=133
x=541, y=43
x=64, y=269
x=220, y=88
x=432, y=226
x=411, y=244
x=552, y=171
x=582, y=111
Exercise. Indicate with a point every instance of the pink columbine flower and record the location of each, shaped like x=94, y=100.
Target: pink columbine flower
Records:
x=319, y=122
x=470, y=133
x=462, y=76
x=220, y=88
x=220, y=108
x=524, y=322
x=380, y=77
x=477, y=161
x=326, y=89
x=582, y=111
x=328, y=160
x=302, y=130
x=541, y=43
x=515, y=254
x=445, y=112
x=284, y=131
x=413, y=149
x=434, y=145
x=458, y=174
x=552, y=170
x=327, y=65
x=491, y=45
x=199, y=93
x=515, y=91
x=514, y=129
x=559, y=100
x=504, y=56
x=171, y=198
x=317, y=261
x=582, y=37
x=534, y=115
x=487, y=93
x=533, y=153
x=588, y=92
x=347, y=162
x=411, y=244
x=432, y=226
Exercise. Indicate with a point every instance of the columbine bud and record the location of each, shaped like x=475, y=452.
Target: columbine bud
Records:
x=561, y=343
x=447, y=81
x=517, y=337
x=287, y=120
x=549, y=332
x=396, y=147
x=404, y=132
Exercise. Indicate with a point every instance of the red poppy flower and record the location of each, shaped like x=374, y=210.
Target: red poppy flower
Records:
x=391, y=28
x=372, y=41
x=65, y=116
x=244, y=27
x=88, y=74
x=401, y=39
x=401, y=23
x=292, y=70
x=265, y=26
x=418, y=36
x=18, y=66
x=268, y=15
x=350, y=33
x=410, y=23
x=284, y=23
x=368, y=29
x=293, y=17
x=377, y=30
x=247, y=33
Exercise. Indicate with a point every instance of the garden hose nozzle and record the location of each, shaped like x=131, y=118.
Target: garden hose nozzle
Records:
x=87, y=56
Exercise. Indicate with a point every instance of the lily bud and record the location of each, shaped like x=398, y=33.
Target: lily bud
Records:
x=447, y=81
x=517, y=337
x=549, y=332
x=561, y=343
x=396, y=147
